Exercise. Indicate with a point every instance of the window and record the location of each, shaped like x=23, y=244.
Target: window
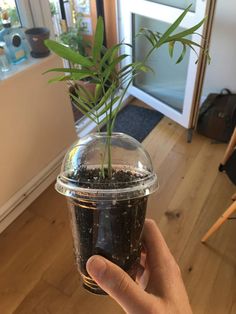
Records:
x=9, y=12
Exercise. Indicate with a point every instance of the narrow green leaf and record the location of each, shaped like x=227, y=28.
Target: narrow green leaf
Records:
x=82, y=107
x=105, y=109
x=108, y=106
x=85, y=113
x=182, y=54
x=60, y=78
x=195, y=53
x=125, y=74
x=105, y=97
x=70, y=70
x=171, y=48
x=152, y=36
x=108, y=54
x=80, y=102
x=126, y=67
x=84, y=99
x=173, y=27
x=76, y=74
x=112, y=66
x=208, y=56
x=187, y=32
x=86, y=94
x=98, y=39
x=147, y=36
x=79, y=76
x=190, y=42
x=145, y=68
x=98, y=91
x=67, y=53
x=107, y=119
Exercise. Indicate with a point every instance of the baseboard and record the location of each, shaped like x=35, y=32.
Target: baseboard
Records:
x=25, y=196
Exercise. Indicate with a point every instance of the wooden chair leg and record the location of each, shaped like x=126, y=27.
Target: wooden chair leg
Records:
x=230, y=148
x=220, y=221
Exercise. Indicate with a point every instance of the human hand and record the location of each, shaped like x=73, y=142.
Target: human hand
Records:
x=160, y=277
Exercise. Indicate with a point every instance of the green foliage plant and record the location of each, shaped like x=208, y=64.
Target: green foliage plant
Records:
x=112, y=79
x=74, y=38
x=13, y=16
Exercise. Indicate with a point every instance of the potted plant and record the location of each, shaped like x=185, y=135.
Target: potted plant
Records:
x=74, y=39
x=107, y=177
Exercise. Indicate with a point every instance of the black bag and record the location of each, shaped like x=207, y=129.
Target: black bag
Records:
x=217, y=116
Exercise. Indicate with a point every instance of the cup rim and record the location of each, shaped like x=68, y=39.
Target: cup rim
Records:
x=145, y=187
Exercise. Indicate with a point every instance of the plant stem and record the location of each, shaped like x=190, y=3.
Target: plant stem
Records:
x=109, y=163
x=109, y=132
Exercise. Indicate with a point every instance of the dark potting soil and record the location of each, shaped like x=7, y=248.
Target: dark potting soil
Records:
x=108, y=228
x=91, y=178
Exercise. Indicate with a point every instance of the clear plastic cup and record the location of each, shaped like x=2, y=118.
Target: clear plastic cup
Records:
x=107, y=216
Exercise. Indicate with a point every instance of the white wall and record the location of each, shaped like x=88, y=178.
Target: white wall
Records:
x=36, y=125
x=222, y=70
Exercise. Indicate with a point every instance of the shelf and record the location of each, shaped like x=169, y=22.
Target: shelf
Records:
x=16, y=69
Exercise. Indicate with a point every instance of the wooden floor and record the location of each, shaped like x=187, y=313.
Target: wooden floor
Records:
x=37, y=273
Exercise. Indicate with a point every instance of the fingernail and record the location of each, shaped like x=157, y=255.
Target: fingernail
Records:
x=96, y=267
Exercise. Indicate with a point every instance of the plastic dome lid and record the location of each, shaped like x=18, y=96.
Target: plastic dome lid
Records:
x=133, y=174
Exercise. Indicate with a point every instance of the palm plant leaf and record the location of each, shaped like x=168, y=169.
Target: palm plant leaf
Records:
x=83, y=108
x=108, y=106
x=173, y=27
x=152, y=37
x=85, y=93
x=107, y=119
x=98, y=39
x=60, y=78
x=187, y=32
x=108, y=55
x=80, y=101
x=190, y=42
x=171, y=48
x=67, y=53
x=81, y=95
x=111, y=67
x=85, y=113
x=106, y=96
x=182, y=54
x=103, y=68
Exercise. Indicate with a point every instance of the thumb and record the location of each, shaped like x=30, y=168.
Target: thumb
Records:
x=113, y=280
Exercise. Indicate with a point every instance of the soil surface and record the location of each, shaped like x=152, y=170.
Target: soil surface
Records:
x=92, y=178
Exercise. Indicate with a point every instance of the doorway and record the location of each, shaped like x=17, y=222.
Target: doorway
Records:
x=172, y=89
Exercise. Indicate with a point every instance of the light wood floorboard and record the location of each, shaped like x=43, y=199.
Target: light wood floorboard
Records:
x=38, y=274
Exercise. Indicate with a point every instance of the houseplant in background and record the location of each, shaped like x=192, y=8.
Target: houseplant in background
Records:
x=107, y=177
x=74, y=39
